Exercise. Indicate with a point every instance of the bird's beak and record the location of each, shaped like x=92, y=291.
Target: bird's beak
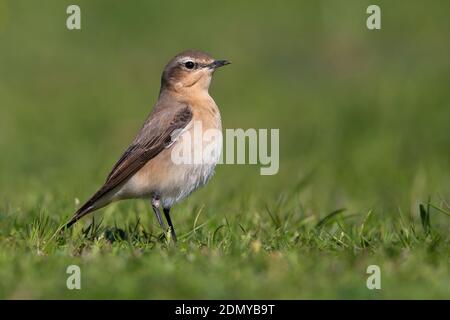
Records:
x=218, y=63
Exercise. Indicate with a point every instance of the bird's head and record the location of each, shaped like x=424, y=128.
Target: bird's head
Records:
x=190, y=71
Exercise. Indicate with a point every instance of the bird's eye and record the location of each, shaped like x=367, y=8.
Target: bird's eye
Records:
x=189, y=64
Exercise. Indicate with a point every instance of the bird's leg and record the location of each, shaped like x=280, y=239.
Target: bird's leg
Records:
x=155, y=207
x=169, y=221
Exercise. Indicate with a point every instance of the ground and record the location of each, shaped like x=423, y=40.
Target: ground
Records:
x=364, y=150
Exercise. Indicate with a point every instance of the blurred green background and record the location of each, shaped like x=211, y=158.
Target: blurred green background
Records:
x=364, y=125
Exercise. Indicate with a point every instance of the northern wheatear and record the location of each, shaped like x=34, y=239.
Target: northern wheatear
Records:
x=146, y=169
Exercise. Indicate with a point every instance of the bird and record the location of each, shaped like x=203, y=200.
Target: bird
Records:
x=146, y=169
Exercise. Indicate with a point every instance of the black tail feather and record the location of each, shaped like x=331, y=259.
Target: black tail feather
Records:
x=94, y=203
x=84, y=210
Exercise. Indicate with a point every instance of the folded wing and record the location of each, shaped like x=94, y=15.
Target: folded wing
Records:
x=156, y=134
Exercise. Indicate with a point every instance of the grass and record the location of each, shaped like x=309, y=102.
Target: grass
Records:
x=272, y=253
x=364, y=166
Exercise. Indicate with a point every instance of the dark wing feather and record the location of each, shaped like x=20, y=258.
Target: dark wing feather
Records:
x=155, y=135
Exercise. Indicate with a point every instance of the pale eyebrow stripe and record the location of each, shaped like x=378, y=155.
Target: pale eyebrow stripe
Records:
x=186, y=59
